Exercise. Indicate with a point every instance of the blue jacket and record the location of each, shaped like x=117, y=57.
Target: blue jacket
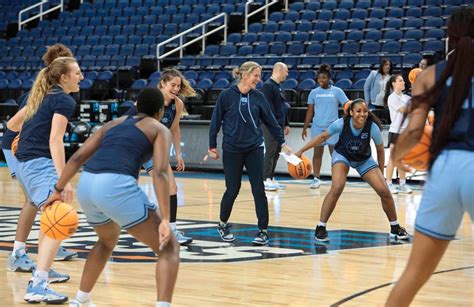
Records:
x=275, y=96
x=372, y=86
x=240, y=116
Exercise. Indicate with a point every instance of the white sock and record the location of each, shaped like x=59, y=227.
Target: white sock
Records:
x=393, y=223
x=163, y=304
x=83, y=297
x=173, y=226
x=403, y=181
x=389, y=182
x=19, y=246
x=322, y=224
x=39, y=276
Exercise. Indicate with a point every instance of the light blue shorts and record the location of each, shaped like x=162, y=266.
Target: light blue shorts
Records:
x=316, y=130
x=361, y=167
x=12, y=162
x=37, y=177
x=105, y=197
x=448, y=194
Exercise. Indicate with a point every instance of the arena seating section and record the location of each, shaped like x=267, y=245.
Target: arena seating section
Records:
x=112, y=39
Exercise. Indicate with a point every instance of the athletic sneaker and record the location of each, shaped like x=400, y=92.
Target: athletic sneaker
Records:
x=399, y=233
x=182, y=239
x=315, y=183
x=393, y=189
x=261, y=238
x=269, y=185
x=43, y=293
x=278, y=185
x=76, y=303
x=56, y=277
x=19, y=261
x=224, y=232
x=404, y=189
x=64, y=255
x=321, y=234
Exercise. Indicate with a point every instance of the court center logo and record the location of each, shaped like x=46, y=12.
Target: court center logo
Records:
x=207, y=245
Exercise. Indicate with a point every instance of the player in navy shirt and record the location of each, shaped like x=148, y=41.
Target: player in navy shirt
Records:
x=109, y=194
x=352, y=149
x=19, y=260
x=41, y=155
x=173, y=86
x=449, y=189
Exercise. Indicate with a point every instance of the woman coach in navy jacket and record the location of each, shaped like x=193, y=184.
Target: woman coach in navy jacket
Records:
x=240, y=110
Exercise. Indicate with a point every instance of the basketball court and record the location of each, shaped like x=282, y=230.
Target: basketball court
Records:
x=356, y=268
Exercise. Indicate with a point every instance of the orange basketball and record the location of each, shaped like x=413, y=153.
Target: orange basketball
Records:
x=302, y=170
x=419, y=156
x=15, y=144
x=346, y=106
x=413, y=74
x=59, y=221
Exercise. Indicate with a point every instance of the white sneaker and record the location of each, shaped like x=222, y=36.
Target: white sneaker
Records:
x=76, y=303
x=393, y=189
x=404, y=189
x=269, y=185
x=315, y=183
x=278, y=185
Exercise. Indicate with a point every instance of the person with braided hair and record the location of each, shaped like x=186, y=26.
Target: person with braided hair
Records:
x=449, y=189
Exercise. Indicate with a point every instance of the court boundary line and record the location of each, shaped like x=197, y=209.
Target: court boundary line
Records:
x=355, y=295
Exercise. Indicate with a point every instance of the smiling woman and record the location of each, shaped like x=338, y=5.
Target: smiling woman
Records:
x=353, y=150
x=41, y=156
x=241, y=110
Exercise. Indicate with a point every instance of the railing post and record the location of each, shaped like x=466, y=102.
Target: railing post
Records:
x=225, y=29
x=41, y=11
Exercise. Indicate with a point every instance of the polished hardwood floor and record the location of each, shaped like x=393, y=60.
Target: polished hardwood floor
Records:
x=356, y=269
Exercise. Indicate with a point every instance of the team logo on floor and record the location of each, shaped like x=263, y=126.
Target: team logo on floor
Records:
x=207, y=245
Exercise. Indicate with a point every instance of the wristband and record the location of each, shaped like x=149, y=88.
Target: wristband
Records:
x=57, y=189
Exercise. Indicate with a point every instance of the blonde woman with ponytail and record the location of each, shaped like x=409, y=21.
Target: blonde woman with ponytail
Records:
x=174, y=87
x=241, y=110
x=18, y=260
x=41, y=158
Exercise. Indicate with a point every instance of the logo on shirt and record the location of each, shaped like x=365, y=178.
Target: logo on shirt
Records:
x=244, y=100
x=207, y=245
x=364, y=135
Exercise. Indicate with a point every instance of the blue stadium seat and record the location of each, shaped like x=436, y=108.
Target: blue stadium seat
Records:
x=412, y=46
x=245, y=50
x=373, y=35
x=276, y=16
x=359, y=13
x=336, y=36
x=342, y=14
x=357, y=24
x=394, y=23
x=413, y=12
x=435, y=33
x=287, y=26
x=106, y=40
x=413, y=23
x=395, y=12
x=292, y=15
x=391, y=47
x=332, y=47
x=304, y=26
x=261, y=49
x=344, y=84
x=295, y=48
x=220, y=84
x=393, y=34
x=321, y=25
x=278, y=48
x=308, y=15
x=346, y=4
x=270, y=26
x=329, y=5
x=370, y=47
x=433, y=45
x=436, y=22
x=299, y=36
x=376, y=24
x=313, y=6
x=339, y=25
x=377, y=13
x=283, y=36
x=433, y=11
x=344, y=74
x=359, y=84
x=255, y=27
x=92, y=40
x=412, y=59
x=354, y=35
x=304, y=88
x=413, y=34
x=351, y=47
x=325, y=15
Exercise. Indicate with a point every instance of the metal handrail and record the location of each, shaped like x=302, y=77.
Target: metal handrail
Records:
x=264, y=7
x=40, y=14
x=181, y=35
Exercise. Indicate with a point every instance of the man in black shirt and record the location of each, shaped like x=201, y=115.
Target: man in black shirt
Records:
x=275, y=97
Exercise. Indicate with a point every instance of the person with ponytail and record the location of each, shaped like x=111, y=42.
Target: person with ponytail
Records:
x=241, y=110
x=41, y=157
x=173, y=85
x=355, y=131
x=449, y=188
x=397, y=103
x=111, y=199
x=323, y=106
x=18, y=260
